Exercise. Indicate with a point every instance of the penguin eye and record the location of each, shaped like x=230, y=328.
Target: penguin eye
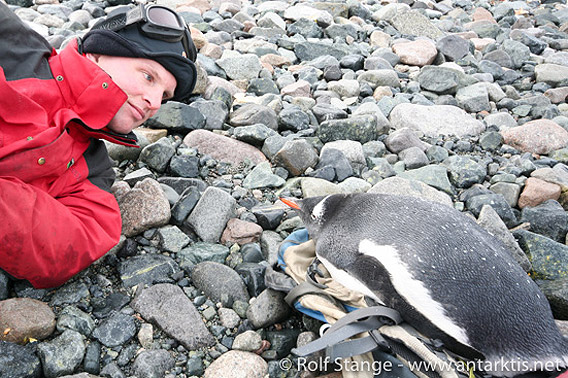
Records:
x=313, y=216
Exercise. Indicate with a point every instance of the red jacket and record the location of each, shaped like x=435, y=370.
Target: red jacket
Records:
x=58, y=215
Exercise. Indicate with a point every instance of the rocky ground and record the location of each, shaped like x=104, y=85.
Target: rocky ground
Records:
x=458, y=101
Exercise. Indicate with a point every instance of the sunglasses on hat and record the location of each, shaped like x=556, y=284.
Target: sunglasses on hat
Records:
x=154, y=21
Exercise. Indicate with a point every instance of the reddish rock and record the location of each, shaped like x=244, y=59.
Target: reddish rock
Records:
x=214, y=82
x=275, y=60
x=22, y=319
x=481, y=43
x=537, y=191
x=299, y=89
x=482, y=14
x=198, y=38
x=212, y=50
x=557, y=95
x=241, y=232
x=223, y=148
x=540, y=136
x=237, y=364
x=416, y=53
x=202, y=5
x=143, y=207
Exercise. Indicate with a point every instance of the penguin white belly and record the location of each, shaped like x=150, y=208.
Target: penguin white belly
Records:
x=413, y=290
x=348, y=281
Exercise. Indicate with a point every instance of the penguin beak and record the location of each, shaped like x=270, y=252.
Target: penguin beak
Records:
x=290, y=202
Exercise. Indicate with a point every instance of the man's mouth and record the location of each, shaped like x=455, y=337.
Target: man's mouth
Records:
x=139, y=114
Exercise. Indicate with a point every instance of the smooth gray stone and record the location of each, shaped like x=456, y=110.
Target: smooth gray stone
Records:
x=211, y=214
x=268, y=308
x=219, y=282
x=167, y=306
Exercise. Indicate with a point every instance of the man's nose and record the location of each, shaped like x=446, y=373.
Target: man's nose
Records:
x=154, y=99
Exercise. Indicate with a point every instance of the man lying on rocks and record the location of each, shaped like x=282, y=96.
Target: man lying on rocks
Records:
x=58, y=215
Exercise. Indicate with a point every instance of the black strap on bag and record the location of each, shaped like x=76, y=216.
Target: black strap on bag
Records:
x=368, y=319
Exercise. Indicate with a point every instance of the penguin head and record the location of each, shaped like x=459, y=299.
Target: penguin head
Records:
x=314, y=211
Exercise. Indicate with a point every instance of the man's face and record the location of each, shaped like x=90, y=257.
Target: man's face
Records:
x=146, y=82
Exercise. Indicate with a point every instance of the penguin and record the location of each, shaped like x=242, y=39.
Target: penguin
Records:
x=448, y=278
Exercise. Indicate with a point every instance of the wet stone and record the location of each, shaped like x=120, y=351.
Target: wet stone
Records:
x=433, y=175
x=62, y=355
x=556, y=292
x=71, y=292
x=464, y=172
x=177, y=117
x=157, y=155
x=253, y=277
x=112, y=370
x=549, y=258
x=92, y=360
x=115, y=330
x=548, y=219
x=185, y=204
x=184, y=166
x=76, y=320
x=146, y=269
x=103, y=307
x=172, y=239
x=200, y=251
x=215, y=113
x=497, y=202
x=18, y=361
x=262, y=177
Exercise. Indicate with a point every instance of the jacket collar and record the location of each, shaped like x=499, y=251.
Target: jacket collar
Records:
x=92, y=98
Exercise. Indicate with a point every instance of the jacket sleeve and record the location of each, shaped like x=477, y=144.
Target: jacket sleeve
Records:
x=47, y=240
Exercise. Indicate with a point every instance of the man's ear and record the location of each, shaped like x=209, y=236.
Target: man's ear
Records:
x=93, y=57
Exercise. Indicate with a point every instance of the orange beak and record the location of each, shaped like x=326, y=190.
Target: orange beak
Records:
x=290, y=202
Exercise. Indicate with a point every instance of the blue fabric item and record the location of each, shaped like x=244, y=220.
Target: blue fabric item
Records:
x=311, y=313
x=297, y=237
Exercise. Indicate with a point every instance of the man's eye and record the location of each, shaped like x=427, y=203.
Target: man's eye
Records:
x=148, y=76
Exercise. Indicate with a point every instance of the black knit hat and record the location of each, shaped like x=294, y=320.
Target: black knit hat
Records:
x=131, y=42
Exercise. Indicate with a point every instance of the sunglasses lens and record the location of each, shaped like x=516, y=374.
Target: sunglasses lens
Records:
x=163, y=17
